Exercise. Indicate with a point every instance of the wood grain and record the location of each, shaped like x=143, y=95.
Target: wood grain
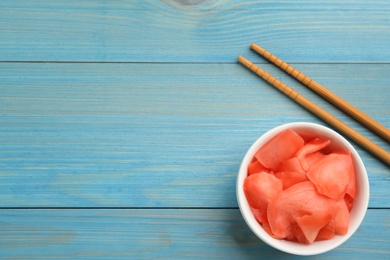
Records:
x=205, y=31
x=145, y=135
x=156, y=233
x=123, y=123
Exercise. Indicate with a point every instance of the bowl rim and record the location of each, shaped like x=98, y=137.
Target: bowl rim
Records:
x=318, y=247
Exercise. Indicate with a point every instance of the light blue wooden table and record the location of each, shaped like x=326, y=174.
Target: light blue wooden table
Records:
x=123, y=123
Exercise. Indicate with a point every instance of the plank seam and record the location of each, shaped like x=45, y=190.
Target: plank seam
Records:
x=135, y=208
x=180, y=63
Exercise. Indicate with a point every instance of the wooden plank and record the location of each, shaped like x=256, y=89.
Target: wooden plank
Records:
x=193, y=31
x=168, y=234
x=146, y=135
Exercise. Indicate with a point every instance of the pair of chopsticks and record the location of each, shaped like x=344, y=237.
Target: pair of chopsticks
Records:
x=318, y=111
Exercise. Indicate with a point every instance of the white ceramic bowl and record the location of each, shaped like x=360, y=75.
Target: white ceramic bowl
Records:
x=356, y=215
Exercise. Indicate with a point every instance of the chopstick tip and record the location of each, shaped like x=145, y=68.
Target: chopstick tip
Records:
x=241, y=59
x=256, y=48
x=244, y=61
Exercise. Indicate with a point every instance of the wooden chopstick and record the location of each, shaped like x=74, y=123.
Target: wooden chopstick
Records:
x=349, y=109
x=318, y=111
